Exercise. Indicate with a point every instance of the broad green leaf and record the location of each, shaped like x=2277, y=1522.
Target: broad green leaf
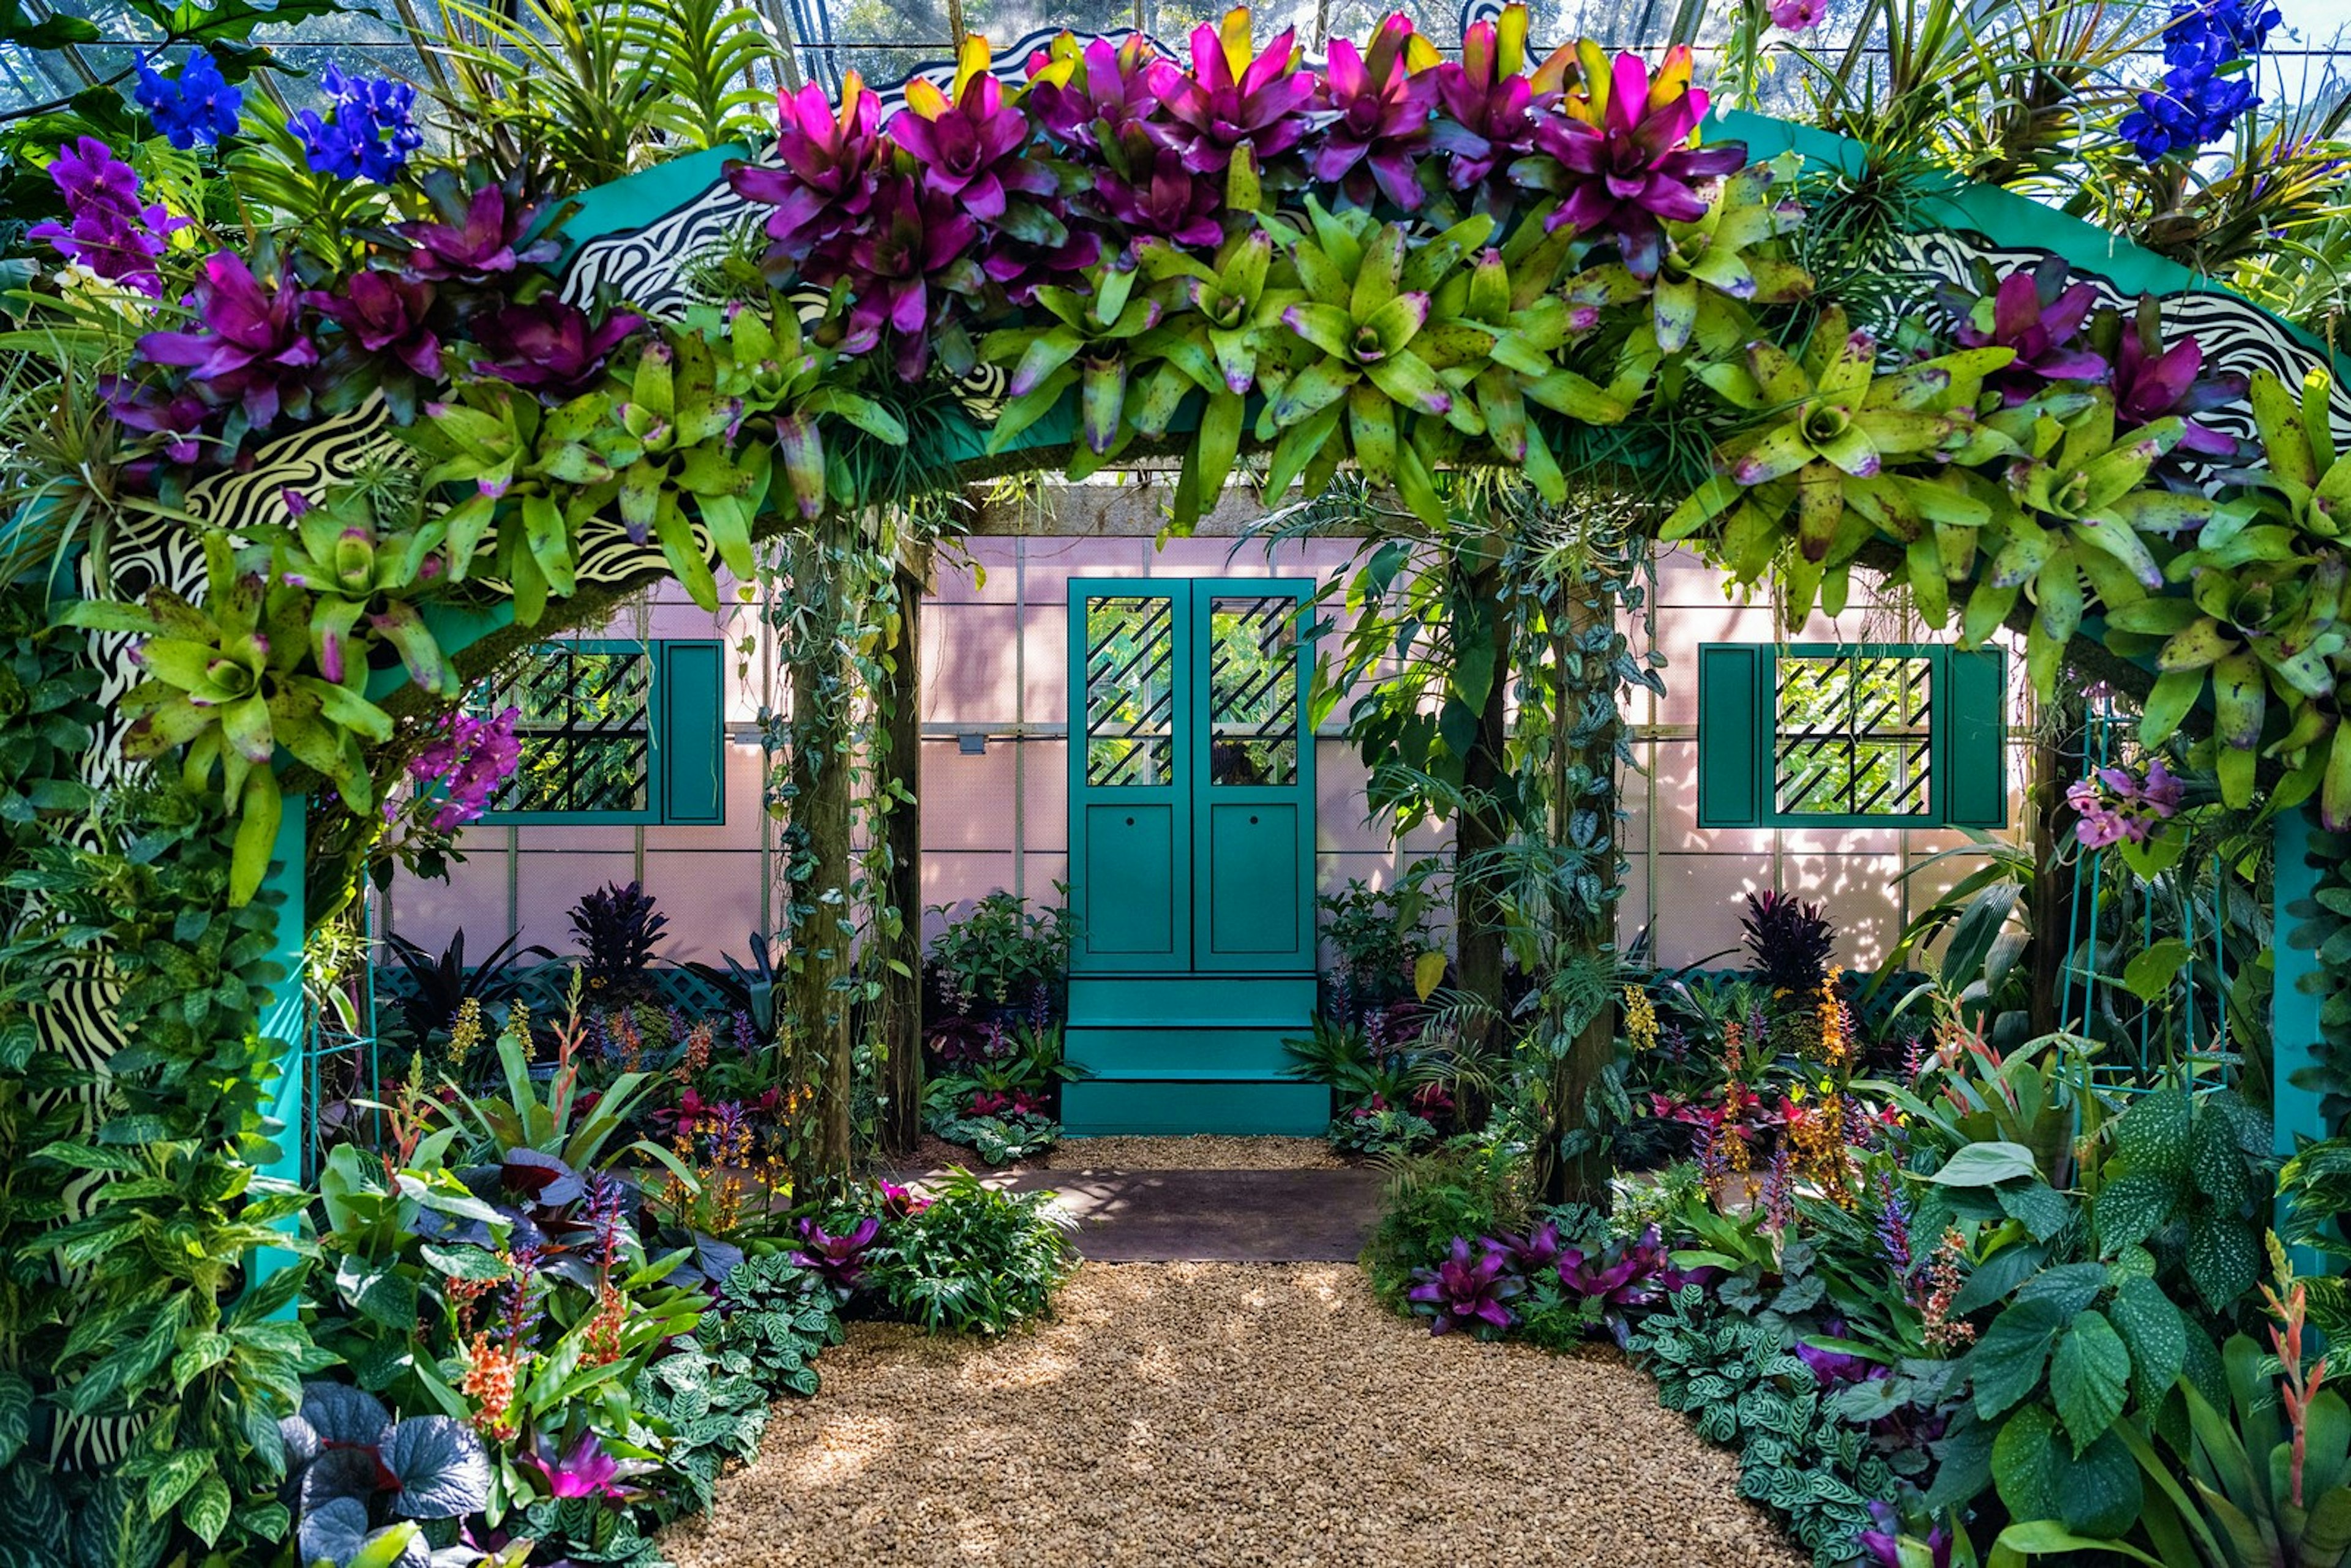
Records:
x=2089, y=1378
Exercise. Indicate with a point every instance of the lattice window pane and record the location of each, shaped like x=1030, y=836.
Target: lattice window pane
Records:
x=585, y=725
x=1253, y=690
x=1853, y=736
x=1130, y=692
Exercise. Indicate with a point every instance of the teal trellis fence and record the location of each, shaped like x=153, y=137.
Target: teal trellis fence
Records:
x=2149, y=976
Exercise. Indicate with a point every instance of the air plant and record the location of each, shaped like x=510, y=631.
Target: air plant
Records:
x=1377, y=115
x=1470, y=1290
x=1623, y=153
x=838, y=1260
x=1230, y=99
x=824, y=188
x=2039, y=315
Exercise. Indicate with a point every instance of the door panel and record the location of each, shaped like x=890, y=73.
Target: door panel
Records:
x=1253, y=893
x=1130, y=876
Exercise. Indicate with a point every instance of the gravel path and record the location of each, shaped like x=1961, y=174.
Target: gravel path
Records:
x=1213, y=1415
x=1203, y=1152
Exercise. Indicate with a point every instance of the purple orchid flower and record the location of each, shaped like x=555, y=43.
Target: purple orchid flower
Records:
x=1379, y=111
x=1167, y=201
x=1228, y=99
x=1467, y=1292
x=106, y=229
x=2154, y=382
x=551, y=347
x=1538, y=1249
x=905, y=272
x=1090, y=98
x=1621, y=155
x=2041, y=316
x=252, y=351
x=824, y=187
x=474, y=236
x=386, y=315
x=839, y=1260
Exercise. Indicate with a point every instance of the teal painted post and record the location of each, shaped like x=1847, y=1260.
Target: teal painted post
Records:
x=2294, y=1001
x=286, y=1020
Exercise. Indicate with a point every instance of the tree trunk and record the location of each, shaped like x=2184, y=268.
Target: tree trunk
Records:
x=902, y=993
x=2049, y=897
x=1586, y=683
x=819, y=846
x=1478, y=925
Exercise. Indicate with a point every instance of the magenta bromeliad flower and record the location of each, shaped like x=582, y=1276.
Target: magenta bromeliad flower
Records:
x=2154, y=382
x=582, y=1470
x=970, y=144
x=1538, y=1249
x=2041, y=316
x=838, y=1260
x=903, y=271
x=1467, y=1292
x=550, y=347
x=252, y=351
x=1153, y=196
x=824, y=187
x=1379, y=112
x=387, y=316
x=1489, y=103
x=1230, y=98
x=106, y=229
x=1090, y=97
x=1624, y=154
x=474, y=236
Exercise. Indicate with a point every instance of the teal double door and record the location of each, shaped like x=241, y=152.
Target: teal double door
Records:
x=1191, y=854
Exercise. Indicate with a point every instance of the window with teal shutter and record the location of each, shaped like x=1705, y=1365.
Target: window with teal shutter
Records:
x=1868, y=735
x=615, y=733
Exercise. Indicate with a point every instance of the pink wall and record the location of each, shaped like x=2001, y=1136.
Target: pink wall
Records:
x=994, y=662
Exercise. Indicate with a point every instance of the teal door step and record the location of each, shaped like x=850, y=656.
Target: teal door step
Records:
x=1179, y=1053
x=1105, y=1107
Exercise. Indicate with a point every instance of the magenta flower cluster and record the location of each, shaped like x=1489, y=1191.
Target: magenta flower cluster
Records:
x=957, y=208
x=106, y=229
x=2117, y=804
x=466, y=763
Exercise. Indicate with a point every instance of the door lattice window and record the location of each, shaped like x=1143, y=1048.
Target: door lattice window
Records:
x=585, y=725
x=1253, y=690
x=1853, y=736
x=1130, y=692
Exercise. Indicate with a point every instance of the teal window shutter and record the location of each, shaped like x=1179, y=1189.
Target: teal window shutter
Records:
x=1734, y=694
x=1973, y=732
x=693, y=747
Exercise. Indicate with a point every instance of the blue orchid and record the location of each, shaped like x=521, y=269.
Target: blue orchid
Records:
x=197, y=105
